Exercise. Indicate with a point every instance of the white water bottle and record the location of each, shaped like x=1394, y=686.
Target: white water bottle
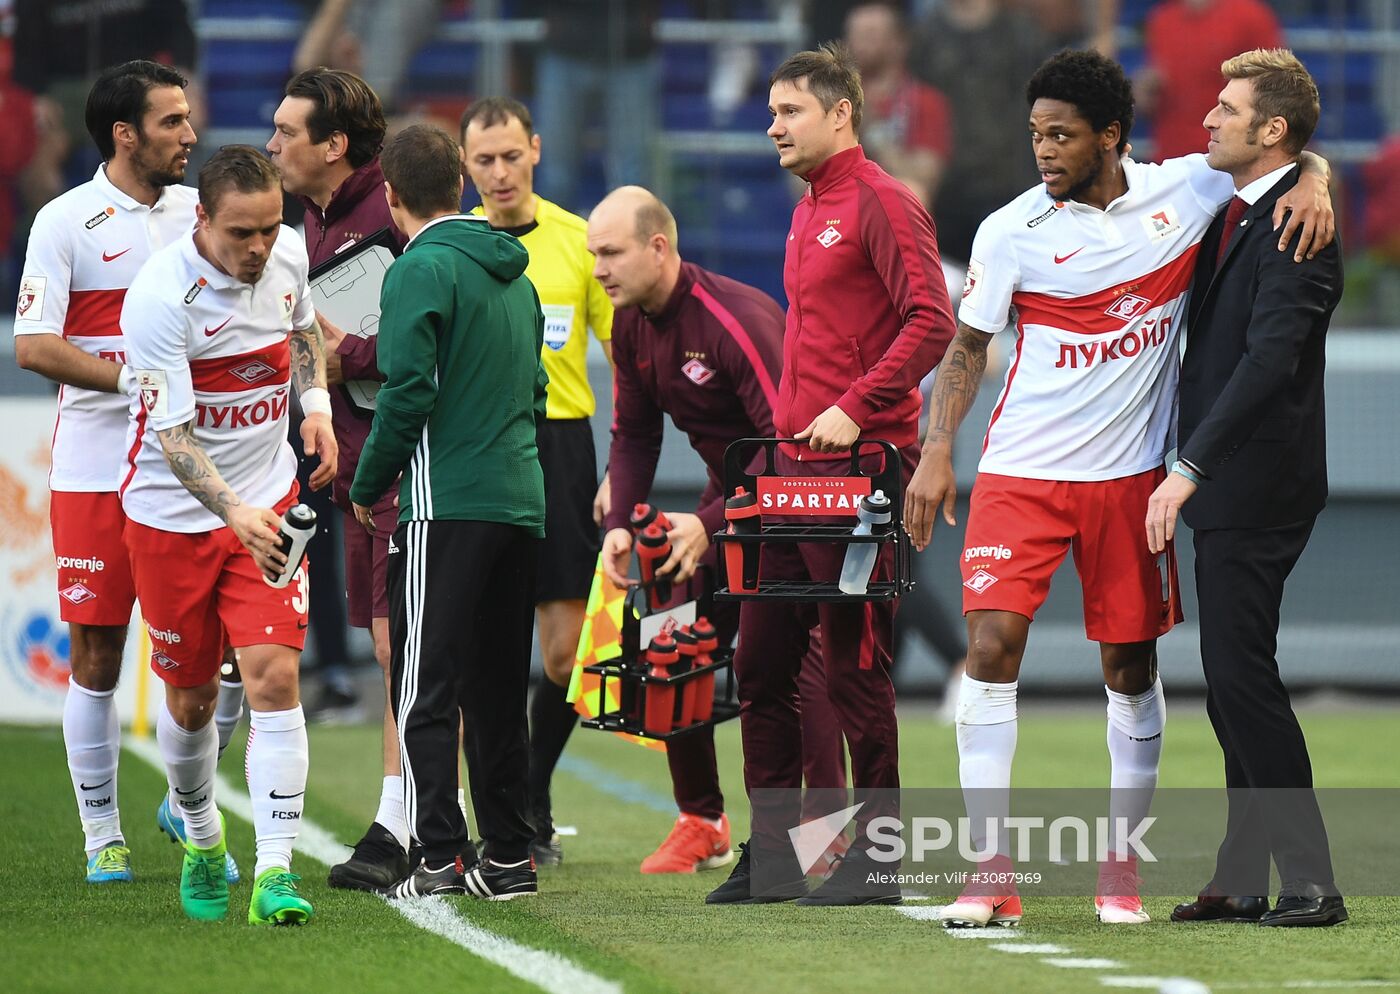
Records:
x=297, y=527
x=860, y=556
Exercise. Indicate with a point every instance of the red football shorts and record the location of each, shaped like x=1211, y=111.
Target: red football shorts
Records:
x=94, y=574
x=1019, y=530
x=195, y=589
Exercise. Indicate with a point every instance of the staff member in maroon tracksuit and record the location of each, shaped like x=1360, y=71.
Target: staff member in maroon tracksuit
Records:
x=868, y=317
x=326, y=140
x=706, y=350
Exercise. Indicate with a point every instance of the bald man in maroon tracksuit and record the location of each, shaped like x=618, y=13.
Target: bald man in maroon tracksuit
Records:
x=706, y=350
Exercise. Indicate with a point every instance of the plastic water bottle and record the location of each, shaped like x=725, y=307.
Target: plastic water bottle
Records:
x=874, y=512
x=297, y=528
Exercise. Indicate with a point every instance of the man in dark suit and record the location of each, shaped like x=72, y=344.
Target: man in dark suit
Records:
x=1253, y=467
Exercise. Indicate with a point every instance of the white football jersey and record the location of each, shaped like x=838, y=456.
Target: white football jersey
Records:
x=1099, y=297
x=207, y=348
x=85, y=248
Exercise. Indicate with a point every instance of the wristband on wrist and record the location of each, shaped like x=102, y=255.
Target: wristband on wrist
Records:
x=126, y=379
x=317, y=400
x=1185, y=469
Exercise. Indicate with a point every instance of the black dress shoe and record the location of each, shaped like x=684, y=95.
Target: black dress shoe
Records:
x=1317, y=910
x=787, y=883
x=1221, y=908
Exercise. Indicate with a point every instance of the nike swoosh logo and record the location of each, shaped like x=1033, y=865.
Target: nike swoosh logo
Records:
x=1066, y=258
x=95, y=786
x=283, y=797
x=187, y=793
x=301, y=626
x=211, y=332
x=109, y=258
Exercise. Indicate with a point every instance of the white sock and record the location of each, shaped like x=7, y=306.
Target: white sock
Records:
x=1135, y=726
x=986, y=726
x=391, y=811
x=276, y=769
x=228, y=712
x=92, y=736
x=190, y=761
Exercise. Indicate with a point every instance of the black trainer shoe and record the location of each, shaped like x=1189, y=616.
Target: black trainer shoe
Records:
x=493, y=881
x=857, y=879
x=738, y=889
x=424, y=882
x=377, y=862
x=547, y=851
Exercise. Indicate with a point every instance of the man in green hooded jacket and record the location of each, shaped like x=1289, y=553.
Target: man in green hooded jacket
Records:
x=459, y=346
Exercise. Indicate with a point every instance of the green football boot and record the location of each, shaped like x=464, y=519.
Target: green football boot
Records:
x=276, y=901
x=204, y=882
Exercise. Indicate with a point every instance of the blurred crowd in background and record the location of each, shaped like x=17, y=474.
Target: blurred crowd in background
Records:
x=672, y=94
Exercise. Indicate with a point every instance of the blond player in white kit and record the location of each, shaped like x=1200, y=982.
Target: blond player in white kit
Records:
x=1095, y=265
x=219, y=327
x=85, y=248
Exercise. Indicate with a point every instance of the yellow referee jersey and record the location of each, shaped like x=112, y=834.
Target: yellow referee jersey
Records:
x=561, y=268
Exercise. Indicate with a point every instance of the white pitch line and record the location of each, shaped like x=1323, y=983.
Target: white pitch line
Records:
x=1142, y=983
x=546, y=970
x=1045, y=948
x=1083, y=963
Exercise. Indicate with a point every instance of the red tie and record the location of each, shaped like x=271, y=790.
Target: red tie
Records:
x=1232, y=221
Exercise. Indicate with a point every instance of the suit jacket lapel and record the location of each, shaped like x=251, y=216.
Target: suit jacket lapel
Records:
x=1258, y=213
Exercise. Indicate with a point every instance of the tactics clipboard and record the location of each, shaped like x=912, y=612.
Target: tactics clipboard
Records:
x=345, y=289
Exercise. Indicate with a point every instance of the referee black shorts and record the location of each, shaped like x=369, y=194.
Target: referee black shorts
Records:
x=569, y=552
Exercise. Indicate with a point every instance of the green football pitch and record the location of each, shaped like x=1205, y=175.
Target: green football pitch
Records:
x=600, y=926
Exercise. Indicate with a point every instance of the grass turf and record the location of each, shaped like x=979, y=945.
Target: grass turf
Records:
x=646, y=933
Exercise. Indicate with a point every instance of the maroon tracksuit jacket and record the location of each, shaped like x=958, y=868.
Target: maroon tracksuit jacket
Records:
x=709, y=359
x=356, y=210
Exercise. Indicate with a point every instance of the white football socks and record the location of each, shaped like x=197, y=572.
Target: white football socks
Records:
x=92, y=737
x=391, y=811
x=190, y=760
x=227, y=712
x=1135, y=726
x=986, y=726
x=276, y=766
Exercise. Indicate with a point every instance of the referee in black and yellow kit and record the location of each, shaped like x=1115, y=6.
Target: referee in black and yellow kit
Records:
x=459, y=346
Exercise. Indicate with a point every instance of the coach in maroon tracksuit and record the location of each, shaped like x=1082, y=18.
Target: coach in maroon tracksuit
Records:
x=868, y=317
x=706, y=350
x=326, y=140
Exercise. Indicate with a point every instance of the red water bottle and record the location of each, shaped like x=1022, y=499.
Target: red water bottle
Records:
x=645, y=514
x=706, y=642
x=653, y=549
x=661, y=698
x=741, y=558
x=688, y=647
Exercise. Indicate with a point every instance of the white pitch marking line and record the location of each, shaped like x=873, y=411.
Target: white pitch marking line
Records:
x=546, y=970
x=1083, y=963
x=1144, y=983
x=1044, y=948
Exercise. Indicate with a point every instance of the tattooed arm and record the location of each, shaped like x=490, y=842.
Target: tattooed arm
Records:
x=954, y=390
x=308, y=361
x=308, y=358
x=256, y=527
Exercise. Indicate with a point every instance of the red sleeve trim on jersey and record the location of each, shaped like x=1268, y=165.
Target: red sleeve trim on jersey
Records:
x=1106, y=311
x=94, y=314
x=135, y=449
x=239, y=373
x=742, y=338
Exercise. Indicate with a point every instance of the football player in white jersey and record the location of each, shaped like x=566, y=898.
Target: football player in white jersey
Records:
x=85, y=248
x=1094, y=266
x=219, y=326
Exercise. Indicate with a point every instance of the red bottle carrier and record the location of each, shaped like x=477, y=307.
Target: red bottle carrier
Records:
x=666, y=688
x=749, y=470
